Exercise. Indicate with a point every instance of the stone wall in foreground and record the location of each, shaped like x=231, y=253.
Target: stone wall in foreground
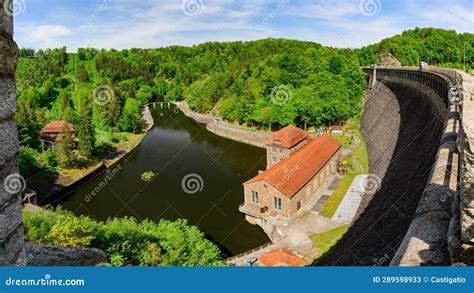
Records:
x=11, y=229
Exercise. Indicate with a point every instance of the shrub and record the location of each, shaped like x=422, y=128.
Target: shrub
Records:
x=72, y=232
x=148, y=176
x=125, y=240
x=27, y=161
x=50, y=159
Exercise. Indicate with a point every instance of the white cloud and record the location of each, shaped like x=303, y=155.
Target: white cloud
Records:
x=45, y=36
x=123, y=24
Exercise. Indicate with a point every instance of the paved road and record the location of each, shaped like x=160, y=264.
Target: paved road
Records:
x=347, y=209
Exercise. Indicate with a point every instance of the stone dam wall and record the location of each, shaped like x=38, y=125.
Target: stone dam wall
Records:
x=412, y=127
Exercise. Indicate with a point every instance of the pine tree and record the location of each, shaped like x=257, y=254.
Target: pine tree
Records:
x=83, y=75
x=65, y=148
x=86, y=131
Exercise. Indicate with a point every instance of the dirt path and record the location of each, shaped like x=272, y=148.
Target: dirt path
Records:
x=350, y=148
x=218, y=126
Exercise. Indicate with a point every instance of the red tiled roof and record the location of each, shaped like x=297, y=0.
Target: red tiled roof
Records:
x=292, y=174
x=288, y=137
x=57, y=127
x=281, y=257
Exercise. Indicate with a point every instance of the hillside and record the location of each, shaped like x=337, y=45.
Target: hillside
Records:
x=444, y=48
x=267, y=83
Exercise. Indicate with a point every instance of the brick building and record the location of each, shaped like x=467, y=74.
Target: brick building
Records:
x=297, y=166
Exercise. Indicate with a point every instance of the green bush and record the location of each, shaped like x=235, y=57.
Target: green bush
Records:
x=148, y=176
x=49, y=159
x=72, y=232
x=27, y=161
x=125, y=240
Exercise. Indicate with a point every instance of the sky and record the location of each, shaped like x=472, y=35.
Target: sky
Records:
x=123, y=24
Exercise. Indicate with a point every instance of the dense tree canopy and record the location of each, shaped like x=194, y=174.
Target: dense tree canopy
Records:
x=271, y=82
x=268, y=83
x=440, y=47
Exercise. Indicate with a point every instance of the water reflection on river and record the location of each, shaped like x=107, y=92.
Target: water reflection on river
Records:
x=176, y=147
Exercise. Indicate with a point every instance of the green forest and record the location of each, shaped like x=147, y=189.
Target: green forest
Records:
x=267, y=83
x=443, y=48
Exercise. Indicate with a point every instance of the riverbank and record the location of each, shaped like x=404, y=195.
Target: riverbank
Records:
x=222, y=128
x=49, y=184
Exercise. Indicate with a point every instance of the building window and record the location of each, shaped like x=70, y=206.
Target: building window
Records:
x=277, y=202
x=274, y=159
x=298, y=205
x=274, y=149
x=254, y=196
x=281, y=151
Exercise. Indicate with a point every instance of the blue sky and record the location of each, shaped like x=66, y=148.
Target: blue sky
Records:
x=149, y=24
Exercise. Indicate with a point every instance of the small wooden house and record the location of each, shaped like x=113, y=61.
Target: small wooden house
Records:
x=52, y=133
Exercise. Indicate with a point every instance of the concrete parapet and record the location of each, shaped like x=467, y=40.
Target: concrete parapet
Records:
x=466, y=145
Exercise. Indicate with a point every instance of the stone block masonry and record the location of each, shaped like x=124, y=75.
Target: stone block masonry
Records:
x=11, y=229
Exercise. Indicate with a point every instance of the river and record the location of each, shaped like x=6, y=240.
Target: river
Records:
x=177, y=148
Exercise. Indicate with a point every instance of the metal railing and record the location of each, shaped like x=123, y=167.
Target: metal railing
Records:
x=230, y=259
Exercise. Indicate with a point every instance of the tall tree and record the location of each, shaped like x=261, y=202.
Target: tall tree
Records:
x=65, y=148
x=86, y=131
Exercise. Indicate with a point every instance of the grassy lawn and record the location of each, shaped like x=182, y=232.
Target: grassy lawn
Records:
x=78, y=173
x=359, y=163
x=121, y=140
x=118, y=139
x=343, y=139
x=325, y=240
x=333, y=202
